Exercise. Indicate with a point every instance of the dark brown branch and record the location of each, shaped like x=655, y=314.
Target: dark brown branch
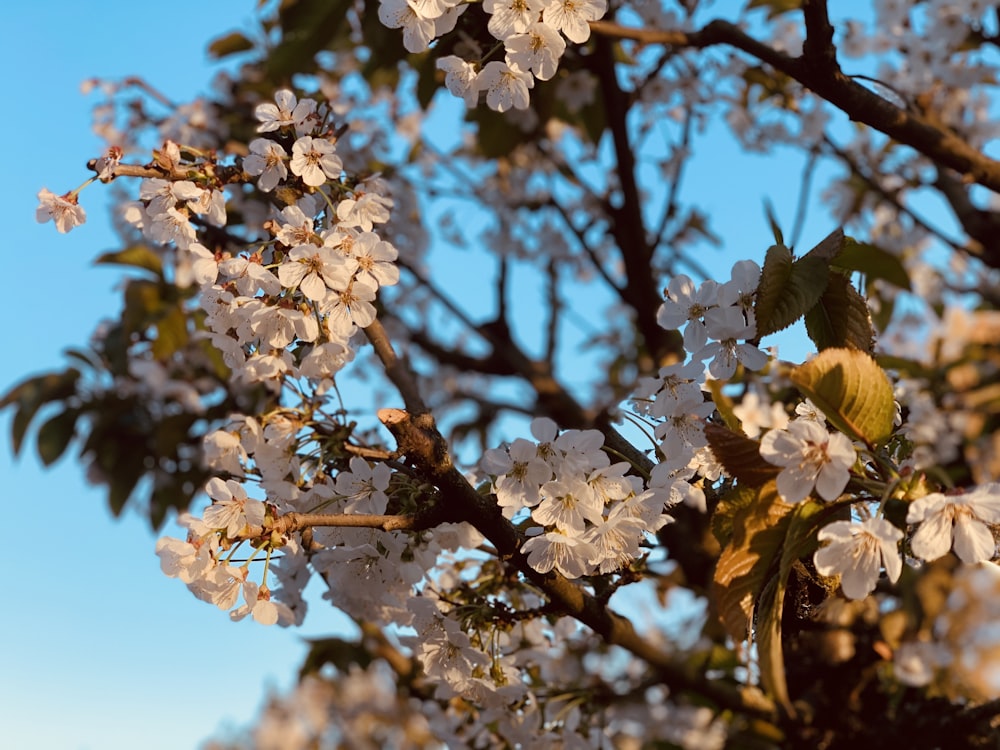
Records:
x=627, y=224
x=292, y=522
x=983, y=227
x=397, y=371
x=418, y=438
x=820, y=73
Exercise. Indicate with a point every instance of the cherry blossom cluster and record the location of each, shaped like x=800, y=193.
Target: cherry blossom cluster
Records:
x=531, y=33
x=718, y=321
x=586, y=514
x=206, y=560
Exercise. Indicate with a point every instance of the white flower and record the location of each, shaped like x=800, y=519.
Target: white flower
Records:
x=314, y=161
x=349, y=307
x=266, y=159
x=685, y=304
x=418, y=31
x=755, y=414
x=287, y=111
x=956, y=520
x=364, y=210
x=857, y=552
x=617, y=539
x=231, y=509
x=374, y=260
x=571, y=17
x=314, y=270
x=519, y=472
x=509, y=17
x=811, y=457
x=728, y=326
x=505, y=86
x=538, y=49
x=63, y=210
x=364, y=487
x=915, y=662
x=460, y=78
x=569, y=555
x=568, y=504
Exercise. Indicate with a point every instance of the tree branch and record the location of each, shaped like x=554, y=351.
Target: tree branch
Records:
x=418, y=438
x=819, y=72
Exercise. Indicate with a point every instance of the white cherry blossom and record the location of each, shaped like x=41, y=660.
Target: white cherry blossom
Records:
x=62, y=210
x=857, y=553
x=537, y=49
x=505, y=86
x=959, y=521
x=812, y=459
x=266, y=159
x=314, y=160
x=572, y=17
x=286, y=111
x=460, y=78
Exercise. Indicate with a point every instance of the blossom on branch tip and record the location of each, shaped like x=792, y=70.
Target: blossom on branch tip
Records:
x=811, y=457
x=231, y=510
x=572, y=17
x=857, y=552
x=62, y=210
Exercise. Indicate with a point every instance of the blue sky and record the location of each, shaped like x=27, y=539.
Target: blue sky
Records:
x=100, y=650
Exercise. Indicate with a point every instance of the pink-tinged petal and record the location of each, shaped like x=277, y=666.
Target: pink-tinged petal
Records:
x=925, y=507
x=973, y=540
x=794, y=485
x=985, y=502
x=831, y=482
x=312, y=287
x=933, y=539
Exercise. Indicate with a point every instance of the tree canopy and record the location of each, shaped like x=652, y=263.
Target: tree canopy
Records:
x=421, y=303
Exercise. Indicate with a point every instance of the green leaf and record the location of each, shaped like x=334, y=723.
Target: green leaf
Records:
x=873, y=262
x=740, y=456
x=841, y=318
x=341, y=653
x=774, y=279
x=307, y=26
x=230, y=44
x=171, y=333
x=143, y=304
x=136, y=256
x=745, y=563
x=55, y=434
x=799, y=541
x=829, y=247
x=733, y=502
x=770, y=655
x=31, y=394
x=775, y=8
x=788, y=289
x=724, y=405
x=851, y=390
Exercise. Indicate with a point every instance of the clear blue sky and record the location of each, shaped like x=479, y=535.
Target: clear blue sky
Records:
x=99, y=650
